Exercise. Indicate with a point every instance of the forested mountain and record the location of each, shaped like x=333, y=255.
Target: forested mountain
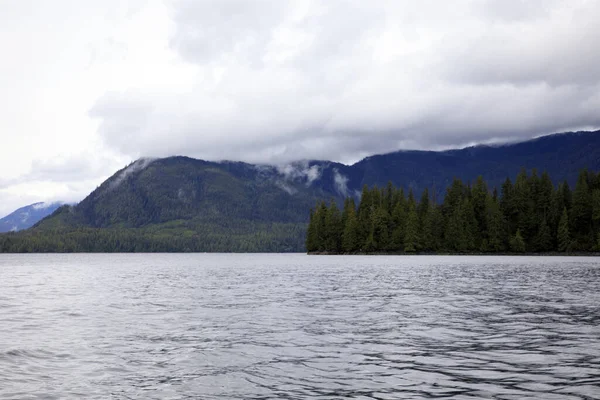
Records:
x=529, y=215
x=184, y=204
x=561, y=155
x=27, y=216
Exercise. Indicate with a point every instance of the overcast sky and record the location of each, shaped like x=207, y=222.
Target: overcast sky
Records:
x=87, y=86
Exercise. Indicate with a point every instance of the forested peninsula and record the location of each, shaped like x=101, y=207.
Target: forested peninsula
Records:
x=530, y=215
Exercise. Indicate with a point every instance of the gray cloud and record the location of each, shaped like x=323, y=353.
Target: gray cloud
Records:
x=554, y=49
x=287, y=80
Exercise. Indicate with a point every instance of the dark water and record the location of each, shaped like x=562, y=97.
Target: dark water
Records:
x=298, y=327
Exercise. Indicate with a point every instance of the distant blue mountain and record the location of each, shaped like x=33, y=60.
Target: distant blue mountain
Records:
x=26, y=217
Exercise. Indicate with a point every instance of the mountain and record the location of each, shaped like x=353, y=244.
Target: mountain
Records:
x=184, y=204
x=27, y=216
x=187, y=204
x=561, y=155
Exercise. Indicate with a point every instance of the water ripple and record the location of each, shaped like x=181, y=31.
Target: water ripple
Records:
x=298, y=327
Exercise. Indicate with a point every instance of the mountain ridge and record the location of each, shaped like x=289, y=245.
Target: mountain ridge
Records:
x=236, y=206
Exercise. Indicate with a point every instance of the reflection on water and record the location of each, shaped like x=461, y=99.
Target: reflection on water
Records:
x=298, y=327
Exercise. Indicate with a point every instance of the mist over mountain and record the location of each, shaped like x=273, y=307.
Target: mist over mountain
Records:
x=185, y=204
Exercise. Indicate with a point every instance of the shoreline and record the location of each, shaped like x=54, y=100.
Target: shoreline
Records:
x=547, y=254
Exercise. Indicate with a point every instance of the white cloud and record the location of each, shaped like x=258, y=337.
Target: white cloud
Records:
x=285, y=80
x=341, y=183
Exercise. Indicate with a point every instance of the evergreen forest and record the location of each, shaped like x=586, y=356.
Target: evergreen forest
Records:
x=529, y=215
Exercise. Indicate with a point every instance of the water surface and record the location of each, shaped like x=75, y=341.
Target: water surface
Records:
x=208, y=326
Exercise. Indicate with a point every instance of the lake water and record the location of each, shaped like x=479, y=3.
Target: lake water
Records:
x=280, y=326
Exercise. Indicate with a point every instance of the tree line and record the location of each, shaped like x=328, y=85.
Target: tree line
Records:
x=176, y=236
x=530, y=215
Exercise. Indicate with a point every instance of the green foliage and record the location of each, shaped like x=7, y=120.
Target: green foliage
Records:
x=580, y=217
x=210, y=208
x=496, y=223
x=411, y=236
x=596, y=206
x=312, y=242
x=174, y=236
x=543, y=240
x=181, y=204
x=350, y=242
x=523, y=218
x=564, y=236
x=333, y=228
x=517, y=244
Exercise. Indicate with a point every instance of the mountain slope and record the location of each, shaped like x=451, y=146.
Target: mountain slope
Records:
x=184, y=204
x=181, y=188
x=27, y=216
x=179, y=203
x=561, y=155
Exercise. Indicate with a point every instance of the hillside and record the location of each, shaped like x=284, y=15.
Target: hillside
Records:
x=26, y=217
x=561, y=155
x=184, y=204
x=179, y=203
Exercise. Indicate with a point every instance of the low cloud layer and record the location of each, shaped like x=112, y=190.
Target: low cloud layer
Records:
x=285, y=80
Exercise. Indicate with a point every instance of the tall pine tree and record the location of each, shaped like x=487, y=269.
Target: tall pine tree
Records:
x=563, y=235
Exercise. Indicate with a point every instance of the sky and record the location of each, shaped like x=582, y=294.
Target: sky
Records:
x=88, y=86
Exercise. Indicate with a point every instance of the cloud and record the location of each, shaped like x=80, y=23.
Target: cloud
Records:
x=43, y=205
x=300, y=171
x=135, y=166
x=341, y=183
x=528, y=43
x=60, y=178
x=278, y=81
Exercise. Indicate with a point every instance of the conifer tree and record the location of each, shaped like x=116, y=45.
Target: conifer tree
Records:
x=426, y=230
x=370, y=245
x=470, y=238
x=311, y=234
x=434, y=223
x=389, y=197
x=381, y=238
x=566, y=195
x=410, y=201
x=581, y=212
x=365, y=208
x=346, y=210
x=399, y=223
x=596, y=211
x=508, y=205
x=596, y=206
x=423, y=205
x=333, y=228
x=543, y=219
x=350, y=242
x=321, y=227
x=564, y=237
x=523, y=191
x=517, y=244
x=544, y=196
x=479, y=194
x=411, y=232
x=543, y=240
x=424, y=223
x=454, y=196
x=454, y=232
x=496, y=234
